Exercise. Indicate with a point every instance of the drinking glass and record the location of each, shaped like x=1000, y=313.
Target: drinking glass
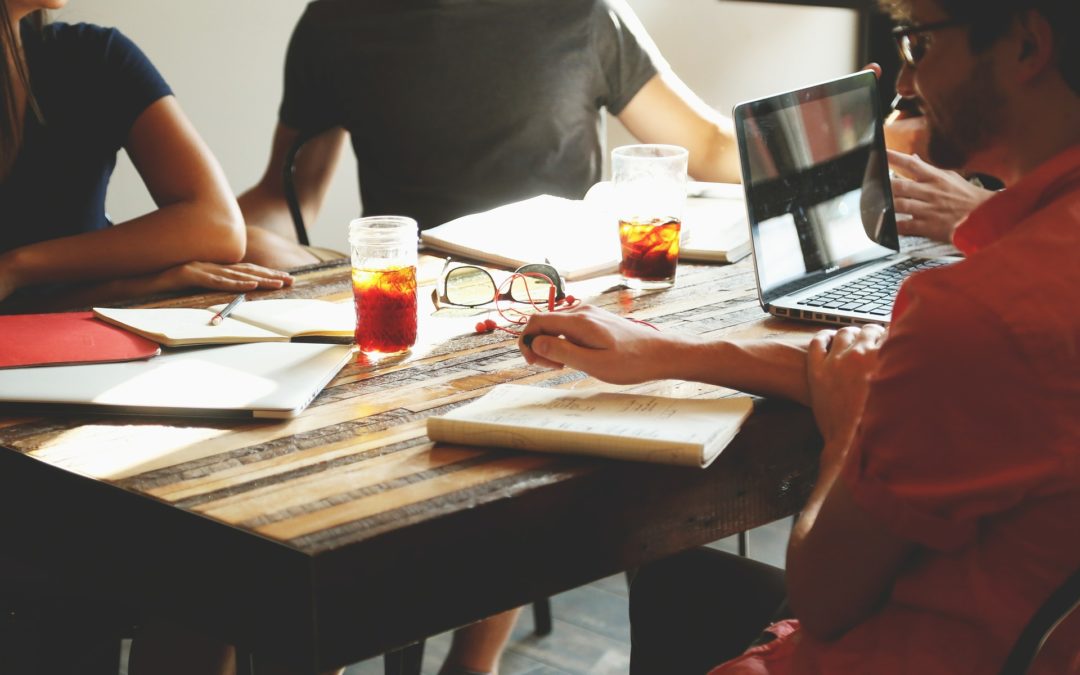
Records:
x=384, y=283
x=649, y=186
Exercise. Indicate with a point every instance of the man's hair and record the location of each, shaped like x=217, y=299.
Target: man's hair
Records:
x=988, y=20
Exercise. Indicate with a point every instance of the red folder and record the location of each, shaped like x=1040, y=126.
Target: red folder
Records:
x=67, y=338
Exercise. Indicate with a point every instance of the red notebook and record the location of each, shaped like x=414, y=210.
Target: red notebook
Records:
x=67, y=338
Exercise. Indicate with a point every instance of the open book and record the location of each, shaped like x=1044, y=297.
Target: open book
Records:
x=256, y=321
x=685, y=432
x=564, y=232
x=580, y=238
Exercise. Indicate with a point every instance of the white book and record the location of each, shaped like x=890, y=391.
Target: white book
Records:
x=580, y=238
x=278, y=320
x=714, y=225
x=665, y=430
x=564, y=232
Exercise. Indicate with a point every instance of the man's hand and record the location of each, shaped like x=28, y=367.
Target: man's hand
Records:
x=213, y=276
x=838, y=369
x=936, y=199
x=602, y=344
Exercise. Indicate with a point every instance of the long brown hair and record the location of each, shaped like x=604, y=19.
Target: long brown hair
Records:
x=13, y=70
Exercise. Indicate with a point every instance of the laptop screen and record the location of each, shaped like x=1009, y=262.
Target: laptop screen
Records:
x=816, y=180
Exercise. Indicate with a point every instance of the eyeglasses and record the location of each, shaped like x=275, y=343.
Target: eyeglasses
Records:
x=464, y=285
x=913, y=41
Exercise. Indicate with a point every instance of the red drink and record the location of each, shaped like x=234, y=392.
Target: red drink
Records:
x=385, y=309
x=650, y=250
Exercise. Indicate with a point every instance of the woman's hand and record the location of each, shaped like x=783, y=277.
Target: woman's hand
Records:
x=7, y=281
x=218, y=277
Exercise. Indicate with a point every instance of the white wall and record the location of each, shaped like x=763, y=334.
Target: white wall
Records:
x=224, y=60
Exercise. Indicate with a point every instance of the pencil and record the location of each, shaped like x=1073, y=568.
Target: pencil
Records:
x=226, y=310
x=900, y=104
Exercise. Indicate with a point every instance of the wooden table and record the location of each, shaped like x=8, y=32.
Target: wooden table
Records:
x=343, y=533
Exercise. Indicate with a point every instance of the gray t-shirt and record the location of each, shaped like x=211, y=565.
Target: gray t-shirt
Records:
x=458, y=106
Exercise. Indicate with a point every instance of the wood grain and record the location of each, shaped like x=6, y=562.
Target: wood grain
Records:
x=334, y=536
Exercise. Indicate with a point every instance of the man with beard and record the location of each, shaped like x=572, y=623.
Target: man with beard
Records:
x=945, y=508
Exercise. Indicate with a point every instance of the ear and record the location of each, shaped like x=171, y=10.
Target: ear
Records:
x=1034, y=40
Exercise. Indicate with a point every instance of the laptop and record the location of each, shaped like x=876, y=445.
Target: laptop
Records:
x=255, y=380
x=819, y=203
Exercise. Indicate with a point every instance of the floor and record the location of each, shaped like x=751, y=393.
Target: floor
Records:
x=591, y=633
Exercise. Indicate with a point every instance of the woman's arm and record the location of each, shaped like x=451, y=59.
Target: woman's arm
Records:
x=197, y=216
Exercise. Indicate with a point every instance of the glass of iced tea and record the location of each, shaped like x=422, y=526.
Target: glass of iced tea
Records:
x=384, y=283
x=649, y=190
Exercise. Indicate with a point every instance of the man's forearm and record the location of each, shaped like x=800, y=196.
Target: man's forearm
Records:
x=763, y=367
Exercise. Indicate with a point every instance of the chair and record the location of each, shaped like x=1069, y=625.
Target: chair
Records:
x=1059, y=606
x=289, y=185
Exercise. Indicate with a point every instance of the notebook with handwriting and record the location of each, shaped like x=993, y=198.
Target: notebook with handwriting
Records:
x=278, y=320
x=684, y=432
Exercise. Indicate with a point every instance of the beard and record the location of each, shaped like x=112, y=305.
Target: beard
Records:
x=966, y=120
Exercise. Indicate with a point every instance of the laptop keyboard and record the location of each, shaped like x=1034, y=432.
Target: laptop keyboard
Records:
x=874, y=293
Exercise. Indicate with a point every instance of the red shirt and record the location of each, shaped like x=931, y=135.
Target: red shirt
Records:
x=969, y=447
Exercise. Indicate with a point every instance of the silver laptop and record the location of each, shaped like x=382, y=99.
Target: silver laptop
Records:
x=819, y=203
x=260, y=379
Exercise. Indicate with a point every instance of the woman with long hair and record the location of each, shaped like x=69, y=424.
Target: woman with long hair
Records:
x=71, y=96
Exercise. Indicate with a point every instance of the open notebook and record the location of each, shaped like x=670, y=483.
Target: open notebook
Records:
x=272, y=379
x=277, y=320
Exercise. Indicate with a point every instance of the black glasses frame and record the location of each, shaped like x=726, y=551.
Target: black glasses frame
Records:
x=548, y=271
x=911, y=48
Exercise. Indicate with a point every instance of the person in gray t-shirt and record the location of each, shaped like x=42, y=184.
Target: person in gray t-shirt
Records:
x=455, y=107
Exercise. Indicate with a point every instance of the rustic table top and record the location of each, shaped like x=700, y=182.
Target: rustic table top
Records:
x=342, y=533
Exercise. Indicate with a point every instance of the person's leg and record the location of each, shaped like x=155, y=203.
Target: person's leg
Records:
x=165, y=648
x=477, y=648
x=698, y=609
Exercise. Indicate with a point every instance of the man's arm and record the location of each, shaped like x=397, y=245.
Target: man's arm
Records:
x=618, y=350
x=264, y=205
x=665, y=110
x=840, y=563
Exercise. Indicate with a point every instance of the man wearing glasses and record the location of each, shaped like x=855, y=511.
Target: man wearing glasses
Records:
x=934, y=200
x=945, y=508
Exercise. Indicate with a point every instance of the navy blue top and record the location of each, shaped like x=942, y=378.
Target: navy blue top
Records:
x=91, y=83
